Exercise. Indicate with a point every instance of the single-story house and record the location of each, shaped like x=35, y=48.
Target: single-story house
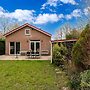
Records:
x=28, y=37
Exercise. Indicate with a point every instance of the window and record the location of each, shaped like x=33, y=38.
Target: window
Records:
x=14, y=47
x=27, y=31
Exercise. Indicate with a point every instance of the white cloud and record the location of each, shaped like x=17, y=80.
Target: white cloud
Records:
x=1, y=11
x=69, y=1
x=76, y=13
x=50, y=2
x=54, y=3
x=87, y=10
x=61, y=16
x=68, y=16
x=18, y=14
x=21, y=15
x=45, y=18
x=29, y=15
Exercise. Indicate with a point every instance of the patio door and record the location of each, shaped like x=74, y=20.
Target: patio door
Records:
x=17, y=48
x=14, y=48
x=35, y=47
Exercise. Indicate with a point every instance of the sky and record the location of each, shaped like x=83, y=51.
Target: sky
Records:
x=48, y=15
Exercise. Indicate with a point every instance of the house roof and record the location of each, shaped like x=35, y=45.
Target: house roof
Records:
x=63, y=40
x=29, y=25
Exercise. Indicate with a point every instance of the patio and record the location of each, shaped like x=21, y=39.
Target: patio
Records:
x=13, y=57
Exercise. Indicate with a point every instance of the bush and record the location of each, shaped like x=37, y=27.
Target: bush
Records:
x=85, y=80
x=59, y=54
x=80, y=53
x=75, y=81
x=2, y=46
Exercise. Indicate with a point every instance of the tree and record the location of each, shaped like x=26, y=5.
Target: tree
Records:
x=62, y=31
x=74, y=34
x=4, y=24
x=81, y=50
x=13, y=26
x=7, y=24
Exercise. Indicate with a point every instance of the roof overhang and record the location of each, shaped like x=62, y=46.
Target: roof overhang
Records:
x=29, y=25
x=64, y=40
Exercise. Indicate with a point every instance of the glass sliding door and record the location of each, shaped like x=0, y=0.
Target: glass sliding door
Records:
x=32, y=47
x=14, y=47
x=17, y=47
x=35, y=47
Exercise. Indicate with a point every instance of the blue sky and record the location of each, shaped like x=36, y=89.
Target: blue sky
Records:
x=48, y=15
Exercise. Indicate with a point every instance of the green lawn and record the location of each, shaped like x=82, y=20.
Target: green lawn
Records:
x=29, y=75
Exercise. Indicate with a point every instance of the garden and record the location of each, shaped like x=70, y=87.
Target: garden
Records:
x=31, y=75
x=77, y=68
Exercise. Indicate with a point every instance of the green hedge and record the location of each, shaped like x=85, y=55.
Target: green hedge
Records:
x=2, y=47
x=80, y=50
x=59, y=54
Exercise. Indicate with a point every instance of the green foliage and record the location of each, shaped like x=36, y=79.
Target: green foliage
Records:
x=74, y=77
x=73, y=34
x=2, y=47
x=75, y=81
x=85, y=79
x=80, y=81
x=59, y=54
x=2, y=39
x=79, y=53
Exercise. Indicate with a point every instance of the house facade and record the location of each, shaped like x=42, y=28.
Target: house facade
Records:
x=27, y=38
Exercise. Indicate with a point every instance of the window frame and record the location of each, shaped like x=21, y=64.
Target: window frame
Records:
x=26, y=30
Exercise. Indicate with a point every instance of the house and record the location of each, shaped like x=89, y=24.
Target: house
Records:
x=28, y=37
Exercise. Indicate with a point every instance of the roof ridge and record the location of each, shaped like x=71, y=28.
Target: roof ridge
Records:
x=18, y=28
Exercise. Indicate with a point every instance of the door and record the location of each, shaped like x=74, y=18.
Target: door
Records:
x=17, y=47
x=35, y=47
x=32, y=47
x=14, y=47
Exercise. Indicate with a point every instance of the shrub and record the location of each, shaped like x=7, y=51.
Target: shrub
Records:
x=2, y=39
x=85, y=80
x=59, y=54
x=75, y=81
x=80, y=53
x=2, y=47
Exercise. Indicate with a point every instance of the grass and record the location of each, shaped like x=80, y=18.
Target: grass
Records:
x=29, y=75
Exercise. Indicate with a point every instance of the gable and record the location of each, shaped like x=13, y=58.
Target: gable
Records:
x=27, y=25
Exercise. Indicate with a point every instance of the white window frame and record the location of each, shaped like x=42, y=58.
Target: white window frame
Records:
x=35, y=45
x=14, y=48
x=26, y=33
